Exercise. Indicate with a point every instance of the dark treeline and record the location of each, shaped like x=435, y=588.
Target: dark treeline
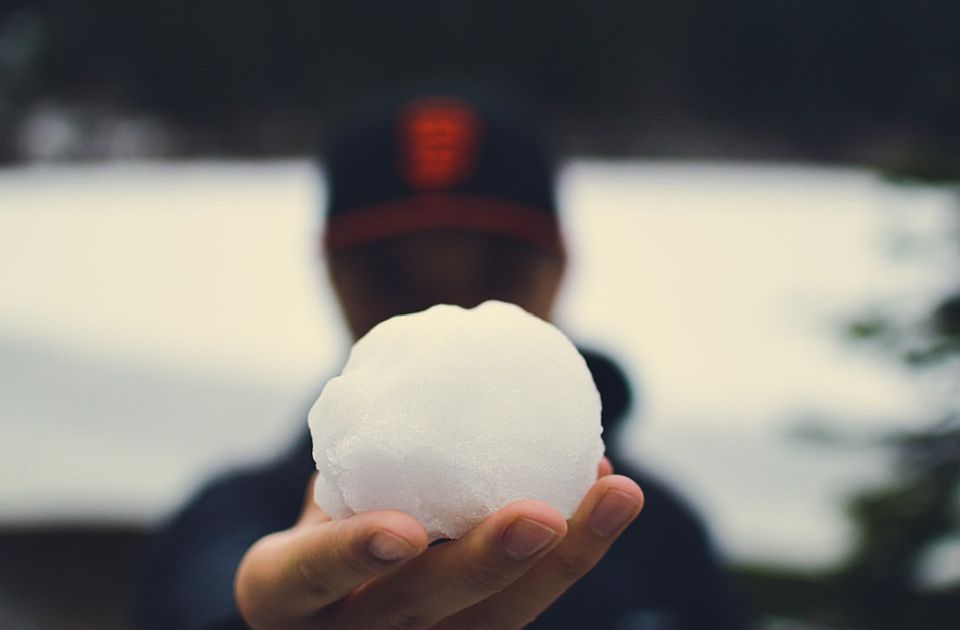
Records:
x=819, y=79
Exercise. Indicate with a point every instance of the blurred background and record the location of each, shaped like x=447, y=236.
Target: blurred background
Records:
x=761, y=199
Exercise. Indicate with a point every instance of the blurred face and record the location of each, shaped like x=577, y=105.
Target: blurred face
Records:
x=411, y=273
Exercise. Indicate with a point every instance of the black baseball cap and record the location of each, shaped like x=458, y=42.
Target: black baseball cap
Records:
x=439, y=161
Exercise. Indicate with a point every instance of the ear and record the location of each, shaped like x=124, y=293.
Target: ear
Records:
x=341, y=275
x=547, y=279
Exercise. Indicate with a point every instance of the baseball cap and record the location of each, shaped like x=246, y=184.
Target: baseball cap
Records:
x=441, y=162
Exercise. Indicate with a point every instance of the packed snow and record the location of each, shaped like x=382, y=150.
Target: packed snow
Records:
x=450, y=413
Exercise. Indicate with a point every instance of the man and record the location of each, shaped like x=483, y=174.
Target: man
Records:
x=438, y=200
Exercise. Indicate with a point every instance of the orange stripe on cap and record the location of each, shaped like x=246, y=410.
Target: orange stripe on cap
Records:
x=443, y=212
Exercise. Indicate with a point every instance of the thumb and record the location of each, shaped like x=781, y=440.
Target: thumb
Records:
x=311, y=512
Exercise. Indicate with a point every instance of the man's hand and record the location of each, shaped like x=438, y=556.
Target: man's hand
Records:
x=374, y=570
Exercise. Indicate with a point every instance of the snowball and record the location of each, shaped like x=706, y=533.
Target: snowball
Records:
x=450, y=413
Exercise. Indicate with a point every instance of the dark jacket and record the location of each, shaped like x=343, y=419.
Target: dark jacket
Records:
x=661, y=573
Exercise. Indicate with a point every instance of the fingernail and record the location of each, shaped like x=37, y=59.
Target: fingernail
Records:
x=389, y=548
x=612, y=512
x=525, y=538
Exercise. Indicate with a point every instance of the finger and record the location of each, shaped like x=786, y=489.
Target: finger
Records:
x=313, y=565
x=611, y=504
x=605, y=468
x=455, y=575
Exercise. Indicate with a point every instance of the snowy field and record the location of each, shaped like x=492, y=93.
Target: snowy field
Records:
x=159, y=322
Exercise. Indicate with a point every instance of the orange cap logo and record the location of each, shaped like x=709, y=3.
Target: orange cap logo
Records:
x=438, y=143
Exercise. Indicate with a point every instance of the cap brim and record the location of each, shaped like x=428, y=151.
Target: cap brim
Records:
x=443, y=211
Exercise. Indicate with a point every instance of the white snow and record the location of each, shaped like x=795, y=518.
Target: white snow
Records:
x=160, y=321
